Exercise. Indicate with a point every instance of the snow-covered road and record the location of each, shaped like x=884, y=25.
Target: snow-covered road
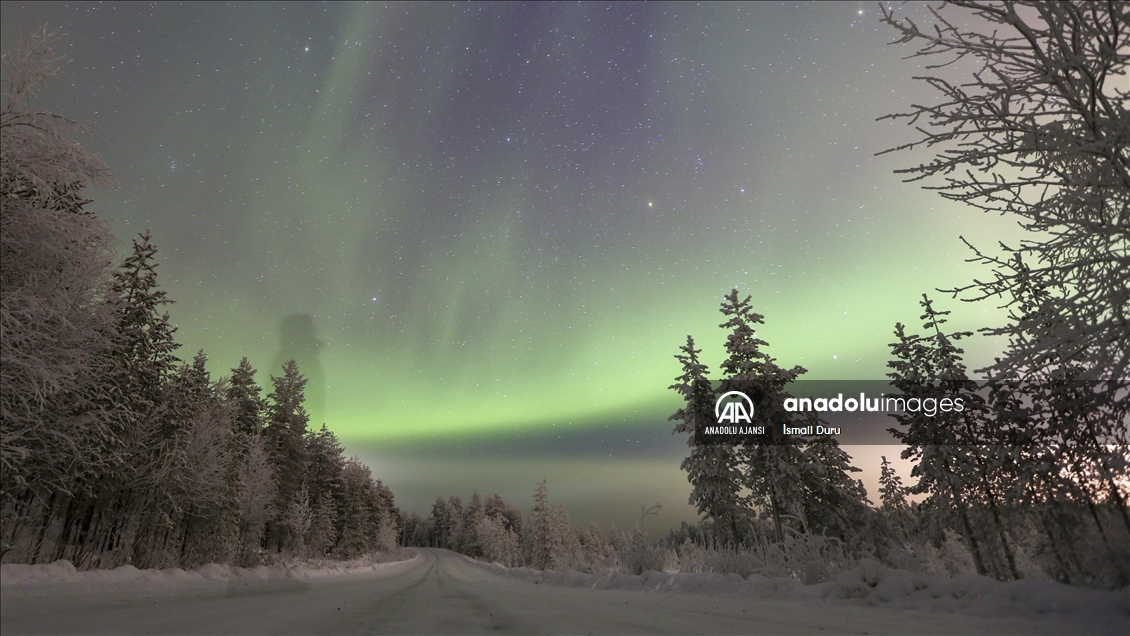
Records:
x=440, y=592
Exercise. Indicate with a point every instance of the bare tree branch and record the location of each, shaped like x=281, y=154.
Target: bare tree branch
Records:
x=1033, y=123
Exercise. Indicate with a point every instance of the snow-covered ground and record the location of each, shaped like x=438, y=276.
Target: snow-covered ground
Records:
x=872, y=584
x=441, y=592
x=15, y=574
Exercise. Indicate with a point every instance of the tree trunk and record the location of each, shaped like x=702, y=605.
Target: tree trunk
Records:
x=48, y=511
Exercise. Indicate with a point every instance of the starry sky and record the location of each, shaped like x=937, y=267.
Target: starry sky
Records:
x=483, y=230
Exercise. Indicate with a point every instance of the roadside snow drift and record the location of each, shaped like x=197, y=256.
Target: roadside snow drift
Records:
x=65, y=572
x=868, y=584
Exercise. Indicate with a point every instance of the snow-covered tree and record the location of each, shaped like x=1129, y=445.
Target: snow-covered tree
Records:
x=1038, y=132
x=891, y=491
x=111, y=451
x=145, y=336
x=207, y=480
x=54, y=264
x=548, y=534
x=325, y=459
x=415, y=530
x=957, y=459
x=246, y=397
x=257, y=492
x=771, y=471
x=358, y=525
x=495, y=507
x=497, y=542
x=368, y=517
x=892, y=498
x=297, y=519
x=835, y=503
x=469, y=540
x=712, y=469
x=286, y=433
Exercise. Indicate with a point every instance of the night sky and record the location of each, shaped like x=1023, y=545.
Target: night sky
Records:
x=484, y=229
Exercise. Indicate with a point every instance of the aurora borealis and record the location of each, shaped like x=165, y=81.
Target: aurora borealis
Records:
x=503, y=219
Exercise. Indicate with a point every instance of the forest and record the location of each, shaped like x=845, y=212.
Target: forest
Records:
x=114, y=450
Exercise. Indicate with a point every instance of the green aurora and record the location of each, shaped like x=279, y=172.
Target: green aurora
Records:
x=505, y=218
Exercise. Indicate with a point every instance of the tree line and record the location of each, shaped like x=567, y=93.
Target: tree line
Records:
x=1028, y=480
x=113, y=450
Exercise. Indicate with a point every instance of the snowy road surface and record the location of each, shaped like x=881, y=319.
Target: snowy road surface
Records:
x=440, y=592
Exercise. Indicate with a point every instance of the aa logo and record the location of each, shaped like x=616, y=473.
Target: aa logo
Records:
x=734, y=407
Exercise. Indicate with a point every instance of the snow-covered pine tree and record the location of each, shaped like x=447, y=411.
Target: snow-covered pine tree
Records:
x=415, y=530
x=57, y=435
x=452, y=524
x=892, y=493
x=498, y=543
x=892, y=497
x=207, y=494
x=440, y=524
x=473, y=512
x=256, y=496
x=835, y=503
x=143, y=362
x=771, y=471
x=712, y=469
x=544, y=543
x=297, y=519
x=357, y=518
x=368, y=516
x=186, y=392
x=286, y=433
x=956, y=465
x=388, y=517
x=145, y=337
x=325, y=459
x=247, y=399
x=129, y=453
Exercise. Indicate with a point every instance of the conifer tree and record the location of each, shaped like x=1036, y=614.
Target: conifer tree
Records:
x=325, y=459
x=892, y=497
x=388, y=516
x=144, y=362
x=111, y=451
x=246, y=397
x=286, y=432
x=771, y=471
x=473, y=513
x=947, y=445
x=712, y=469
x=835, y=504
x=145, y=345
x=206, y=495
x=544, y=543
x=368, y=513
x=891, y=491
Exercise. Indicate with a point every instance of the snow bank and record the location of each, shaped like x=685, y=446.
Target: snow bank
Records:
x=870, y=583
x=65, y=572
